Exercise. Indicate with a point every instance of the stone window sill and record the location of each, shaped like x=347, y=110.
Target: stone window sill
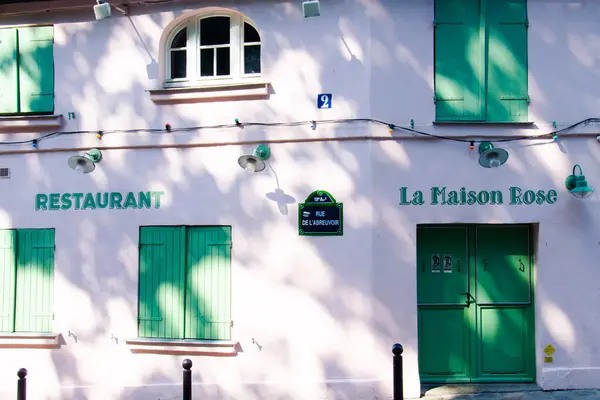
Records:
x=210, y=93
x=29, y=340
x=18, y=122
x=216, y=348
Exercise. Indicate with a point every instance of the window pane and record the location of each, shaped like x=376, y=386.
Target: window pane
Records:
x=206, y=62
x=214, y=30
x=178, y=64
x=252, y=59
x=223, y=61
x=250, y=34
x=180, y=39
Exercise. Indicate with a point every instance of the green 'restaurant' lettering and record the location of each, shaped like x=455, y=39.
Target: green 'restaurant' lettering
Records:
x=100, y=200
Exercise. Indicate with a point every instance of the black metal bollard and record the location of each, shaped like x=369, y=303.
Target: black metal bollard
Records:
x=22, y=384
x=398, y=380
x=187, y=379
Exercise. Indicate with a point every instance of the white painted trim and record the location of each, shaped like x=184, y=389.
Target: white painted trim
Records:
x=214, y=92
x=191, y=20
x=30, y=121
x=183, y=347
x=29, y=340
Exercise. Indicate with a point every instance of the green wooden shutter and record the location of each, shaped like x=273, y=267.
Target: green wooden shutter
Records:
x=507, y=94
x=7, y=279
x=35, y=280
x=8, y=71
x=458, y=61
x=208, y=288
x=162, y=282
x=36, y=69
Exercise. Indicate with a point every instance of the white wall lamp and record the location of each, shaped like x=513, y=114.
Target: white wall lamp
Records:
x=311, y=8
x=102, y=10
x=255, y=162
x=86, y=163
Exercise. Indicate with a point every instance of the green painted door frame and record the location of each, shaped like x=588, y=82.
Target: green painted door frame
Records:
x=475, y=303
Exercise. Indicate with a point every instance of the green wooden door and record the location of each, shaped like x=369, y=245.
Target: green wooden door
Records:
x=475, y=303
x=443, y=312
x=505, y=349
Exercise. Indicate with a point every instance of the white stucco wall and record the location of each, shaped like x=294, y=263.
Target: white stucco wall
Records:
x=325, y=310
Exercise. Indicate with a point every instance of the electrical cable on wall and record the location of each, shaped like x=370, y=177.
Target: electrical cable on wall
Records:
x=312, y=123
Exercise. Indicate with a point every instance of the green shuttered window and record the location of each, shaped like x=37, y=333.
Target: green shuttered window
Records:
x=26, y=280
x=27, y=70
x=481, y=60
x=185, y=282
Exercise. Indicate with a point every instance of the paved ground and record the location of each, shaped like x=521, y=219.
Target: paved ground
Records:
x=503, y=392
x=538, y=395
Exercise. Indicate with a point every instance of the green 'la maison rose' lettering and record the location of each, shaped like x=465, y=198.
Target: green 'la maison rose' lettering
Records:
x=100, y=200
x=441, y=195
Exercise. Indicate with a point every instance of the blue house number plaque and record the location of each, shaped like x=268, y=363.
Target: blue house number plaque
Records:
x=324, y=100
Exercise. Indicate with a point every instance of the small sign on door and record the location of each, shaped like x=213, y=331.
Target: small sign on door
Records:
x=435, y=263
x=447, y=263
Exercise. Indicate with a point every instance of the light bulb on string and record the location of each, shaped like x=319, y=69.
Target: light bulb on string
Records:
x=472, y=145
x=391, y=128
x=99, y=135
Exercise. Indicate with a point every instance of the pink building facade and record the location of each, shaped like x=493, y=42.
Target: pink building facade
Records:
x=480, y=260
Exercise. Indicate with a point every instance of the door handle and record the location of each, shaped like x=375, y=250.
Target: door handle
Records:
x=469, y=297
x=485, y=265
x=521, y=266
x=458, y=265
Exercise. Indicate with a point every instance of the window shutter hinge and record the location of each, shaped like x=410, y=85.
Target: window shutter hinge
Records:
x=526, y=22
x=434, y=23
x=231, y=324
x=528, y=99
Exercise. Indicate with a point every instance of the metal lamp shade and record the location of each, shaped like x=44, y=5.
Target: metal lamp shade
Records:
x=244, y=160
x=581, y=188
x=493, y=158
x=577, y=184
x=87, y=165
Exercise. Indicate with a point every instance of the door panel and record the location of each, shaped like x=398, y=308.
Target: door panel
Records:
x=444, y=343
x=503, y=270
x=444, y=314
x=504, y=341
x=436, y=247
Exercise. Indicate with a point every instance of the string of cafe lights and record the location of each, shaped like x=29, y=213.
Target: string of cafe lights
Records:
x=554, y=135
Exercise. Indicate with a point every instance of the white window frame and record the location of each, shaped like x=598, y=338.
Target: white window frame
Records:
x=236, y=54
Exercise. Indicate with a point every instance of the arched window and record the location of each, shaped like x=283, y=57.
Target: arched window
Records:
x=208, y=47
